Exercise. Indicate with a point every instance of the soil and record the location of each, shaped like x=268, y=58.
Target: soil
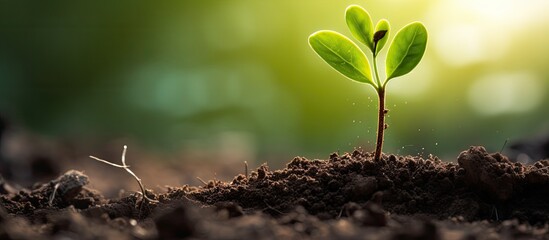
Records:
x=480, y=196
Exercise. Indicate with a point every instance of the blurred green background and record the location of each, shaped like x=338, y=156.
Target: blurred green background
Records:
x=239, y=75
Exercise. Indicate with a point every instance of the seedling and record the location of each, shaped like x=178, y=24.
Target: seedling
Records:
x=405, y=52
x=127, y=168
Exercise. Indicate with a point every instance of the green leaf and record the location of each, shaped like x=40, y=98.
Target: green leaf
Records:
x=342, y=54
x=406, y=50
x=381, y=34
x=361, y=26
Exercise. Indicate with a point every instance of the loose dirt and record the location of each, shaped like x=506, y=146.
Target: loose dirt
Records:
x=349, y=196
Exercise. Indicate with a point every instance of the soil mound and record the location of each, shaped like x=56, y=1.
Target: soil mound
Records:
x=476, y=188
x=349, y=196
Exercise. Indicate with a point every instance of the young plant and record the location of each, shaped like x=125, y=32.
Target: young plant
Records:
x=347, y=58
x=127, y=168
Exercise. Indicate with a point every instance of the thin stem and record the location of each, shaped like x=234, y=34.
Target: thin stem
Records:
x=382, y=112
x=127, y=168
x=376, y=73
x=123, y=158
x=380, y=123
x=246, y=169
x=107, y=162
x=52, y=197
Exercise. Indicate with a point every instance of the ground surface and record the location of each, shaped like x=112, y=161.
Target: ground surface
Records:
x=349, y=196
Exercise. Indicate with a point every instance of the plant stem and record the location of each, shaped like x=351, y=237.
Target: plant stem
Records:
x=376, y=73
x=381, y=114
x=380, y=122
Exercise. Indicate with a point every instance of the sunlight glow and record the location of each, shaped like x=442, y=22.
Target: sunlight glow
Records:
x=468, y=32
x=414, y=84
x=506, y=93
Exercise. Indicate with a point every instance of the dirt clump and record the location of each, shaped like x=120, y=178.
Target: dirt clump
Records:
x=493, y=173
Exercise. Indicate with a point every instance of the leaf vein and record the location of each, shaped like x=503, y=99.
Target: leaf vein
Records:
x=407, y=50
x=345, y=60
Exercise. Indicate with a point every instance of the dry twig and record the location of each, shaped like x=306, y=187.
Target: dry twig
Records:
x=127, y=168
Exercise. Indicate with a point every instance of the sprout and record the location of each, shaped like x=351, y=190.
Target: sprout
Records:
x=127, y=168
x=404, y=54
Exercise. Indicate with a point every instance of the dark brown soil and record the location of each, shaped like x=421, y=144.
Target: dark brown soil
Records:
x=482, y=196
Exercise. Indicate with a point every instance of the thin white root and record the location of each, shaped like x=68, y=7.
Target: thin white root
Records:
x=50, y=202
x=202, y=181
x=127, y=168
x=107, y=162
x=246, y=169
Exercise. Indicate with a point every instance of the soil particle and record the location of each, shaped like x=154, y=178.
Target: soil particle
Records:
x=229, y=209
x=360, y=187
x=369, y=214
x=425, y=230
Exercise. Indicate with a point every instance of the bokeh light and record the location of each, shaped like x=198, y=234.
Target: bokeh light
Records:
x=240, y=75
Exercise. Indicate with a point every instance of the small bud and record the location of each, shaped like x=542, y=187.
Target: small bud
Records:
x=385, y=126
x=379, y=35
